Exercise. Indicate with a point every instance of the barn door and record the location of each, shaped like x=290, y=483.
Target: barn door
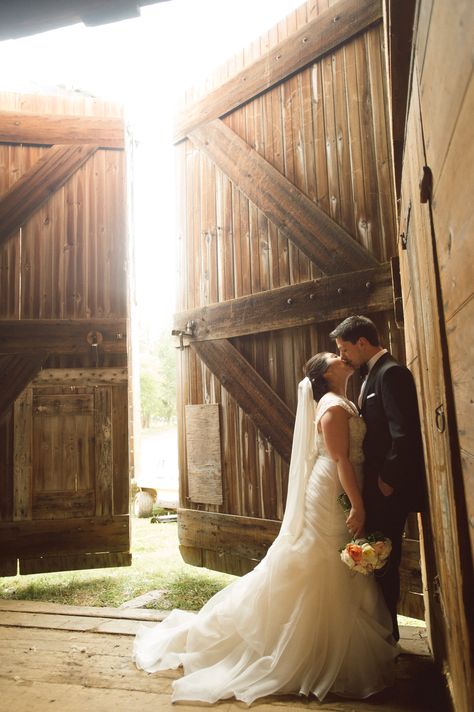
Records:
x=447, y=574
x=287, y=226
x=64, y=462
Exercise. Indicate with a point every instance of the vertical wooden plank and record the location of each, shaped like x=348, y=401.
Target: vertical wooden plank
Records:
x=103, y=451
x=6, y=465
x=382, y=150
x=331, y=137
x=22, y=457
x=339, y=80
x=355, y=147
x=368, y=158
x=120, y=449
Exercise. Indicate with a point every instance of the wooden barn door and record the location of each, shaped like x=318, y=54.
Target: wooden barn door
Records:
x=287, y=226
x=64, y=454
x=436, y=258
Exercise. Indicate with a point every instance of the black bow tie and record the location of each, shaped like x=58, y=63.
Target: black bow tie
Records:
x=364, y=370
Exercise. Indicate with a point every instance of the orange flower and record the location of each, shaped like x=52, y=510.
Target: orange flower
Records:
x=355, y=552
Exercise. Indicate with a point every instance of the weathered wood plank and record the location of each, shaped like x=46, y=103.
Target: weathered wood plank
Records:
x=90, y=611
x=448, y=58
x=269, y=413
x=80, y=376
x=247, y=537
x=310, y=302
x=60, y=505
x=50, y=129
x=446, y=542
x=204, y=466
x=103, y=436
x=35, y=187
x=22, y=459
x=16, y=372
x=314, y=39
x=30, y=538
x=321, y=239
x=61, y=335
x=74, y=562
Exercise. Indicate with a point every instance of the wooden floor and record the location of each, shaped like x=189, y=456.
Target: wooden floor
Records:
x=76, y=659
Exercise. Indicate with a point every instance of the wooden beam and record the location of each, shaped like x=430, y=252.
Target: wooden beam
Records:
x=62, y=336
x=15, y=373
x=81, y=376
x=324, y=33
x=64, y=536
x=34, y=188
x=303, y=222
x=253, y=394
x=310, y=302
x=249, y=537
x=50, y=129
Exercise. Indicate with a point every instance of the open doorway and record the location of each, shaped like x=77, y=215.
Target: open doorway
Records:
x=146, y=80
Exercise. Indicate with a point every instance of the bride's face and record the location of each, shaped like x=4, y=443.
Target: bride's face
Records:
x=337, y=369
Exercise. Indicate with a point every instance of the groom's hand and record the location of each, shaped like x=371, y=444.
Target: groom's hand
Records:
x=386, y=489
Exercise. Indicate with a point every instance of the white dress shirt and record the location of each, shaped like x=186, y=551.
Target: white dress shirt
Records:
x=370, y=364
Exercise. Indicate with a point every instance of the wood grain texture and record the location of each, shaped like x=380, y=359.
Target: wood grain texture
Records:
x=16, y=372
x=71, y=562
x=446, y=552
x=103, y=438
x=315, y=38
x=61, y=335
x=49, y=129
x=22, y=456
x=327, y=244
x=76, y=536
x=204, y=465
x=318, y=301
x=46, y=176
x=246, y=537
x=250, y=391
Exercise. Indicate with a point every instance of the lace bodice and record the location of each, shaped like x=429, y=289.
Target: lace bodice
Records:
x=356, y=426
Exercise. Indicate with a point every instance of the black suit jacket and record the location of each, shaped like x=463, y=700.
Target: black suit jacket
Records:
x=392, y=446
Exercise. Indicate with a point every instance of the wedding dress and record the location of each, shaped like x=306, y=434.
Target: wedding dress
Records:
x=301, y=622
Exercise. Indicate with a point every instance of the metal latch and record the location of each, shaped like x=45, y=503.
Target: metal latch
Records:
x=187, y=331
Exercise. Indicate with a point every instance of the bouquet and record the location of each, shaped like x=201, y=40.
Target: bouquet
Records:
x=368, y=554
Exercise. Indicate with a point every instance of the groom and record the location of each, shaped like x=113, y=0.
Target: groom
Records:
x=393, y=451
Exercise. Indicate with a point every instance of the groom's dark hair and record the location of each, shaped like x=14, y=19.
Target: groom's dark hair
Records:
x=354, y=327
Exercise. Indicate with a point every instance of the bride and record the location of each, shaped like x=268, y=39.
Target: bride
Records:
x=301, y=622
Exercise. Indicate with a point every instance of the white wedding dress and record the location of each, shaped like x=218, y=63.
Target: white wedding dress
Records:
x=301, y=622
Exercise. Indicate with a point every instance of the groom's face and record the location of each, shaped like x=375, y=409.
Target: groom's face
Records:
x=353, y=354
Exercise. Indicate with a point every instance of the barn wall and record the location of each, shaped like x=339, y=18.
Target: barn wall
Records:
x=63, y=276
x=327, y=131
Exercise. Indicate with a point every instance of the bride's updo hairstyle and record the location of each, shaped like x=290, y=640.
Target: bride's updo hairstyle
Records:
x=315, y=369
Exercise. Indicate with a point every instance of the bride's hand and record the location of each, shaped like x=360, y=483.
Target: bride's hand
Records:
x=355, y=522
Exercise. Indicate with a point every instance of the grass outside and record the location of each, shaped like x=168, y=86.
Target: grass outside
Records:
x=157, y=564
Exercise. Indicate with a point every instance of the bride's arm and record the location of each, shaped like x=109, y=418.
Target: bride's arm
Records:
x=335, y=429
